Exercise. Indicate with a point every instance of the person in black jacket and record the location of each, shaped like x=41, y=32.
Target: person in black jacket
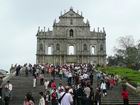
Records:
x=91, y=96
x=79, y=94
x=98, y=97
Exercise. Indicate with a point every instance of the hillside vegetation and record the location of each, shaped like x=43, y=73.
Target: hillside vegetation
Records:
x=130, y=75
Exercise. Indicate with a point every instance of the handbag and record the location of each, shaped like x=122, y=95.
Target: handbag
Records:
x=59, y=100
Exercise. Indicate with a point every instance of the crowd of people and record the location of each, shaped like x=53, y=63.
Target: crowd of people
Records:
x=68, y=84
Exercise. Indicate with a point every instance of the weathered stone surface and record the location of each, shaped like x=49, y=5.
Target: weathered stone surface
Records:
x=71, y=30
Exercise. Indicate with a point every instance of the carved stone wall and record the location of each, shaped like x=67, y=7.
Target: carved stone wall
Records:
x=71, y=30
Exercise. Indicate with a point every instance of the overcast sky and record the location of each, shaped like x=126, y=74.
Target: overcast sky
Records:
x=19, y=20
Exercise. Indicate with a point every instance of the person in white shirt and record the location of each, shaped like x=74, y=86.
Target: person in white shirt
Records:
x=87, y=91
x=67, y=99
x=85, y=76
x=46, y=83
x=103, y=88
x=10, y=88
x=71, y=91
x=34, y=81
x=41, y=100
x=69, y=77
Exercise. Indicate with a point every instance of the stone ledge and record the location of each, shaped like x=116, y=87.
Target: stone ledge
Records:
x=7, y=78
x=133, y=89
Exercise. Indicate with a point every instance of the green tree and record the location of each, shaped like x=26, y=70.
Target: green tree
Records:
x=127, y=52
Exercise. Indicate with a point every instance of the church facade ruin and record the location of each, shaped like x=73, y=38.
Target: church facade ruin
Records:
x=71, y=41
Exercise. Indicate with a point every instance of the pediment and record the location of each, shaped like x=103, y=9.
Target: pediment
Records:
x=71, y=13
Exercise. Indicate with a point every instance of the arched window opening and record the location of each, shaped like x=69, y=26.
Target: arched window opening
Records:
x=57, y=47
x=71, y=33
x=71, y=50
x=85, y=47
x=92, y=50
x=49, y=50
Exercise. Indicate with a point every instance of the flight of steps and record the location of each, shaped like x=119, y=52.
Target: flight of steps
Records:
x=22, y=85
x=114, y=97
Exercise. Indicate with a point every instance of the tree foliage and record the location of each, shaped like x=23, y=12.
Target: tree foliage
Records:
x=127, y=54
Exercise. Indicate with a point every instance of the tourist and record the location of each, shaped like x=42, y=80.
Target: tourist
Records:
x=67, y=99
x=103, y=88
x=10, y=87
x=97, y=97
x=37, y=71
x=12, y=68
x=18, y=70
x=124, y=95
x=34, y=70
x=26, y=70
x=98, y=76
x=53, y=72
x=112, y=82
x=71, y=90
x=60, y=73
x=41, y=76
x=47, y=98
x=85, y=76
x=6, y=96
x=34, y=81
x=69, y=77
x=91, y=98
x=87, y=91
x=91, y=78
x=60, y=87
x=107, y=83
x=79, y=95
x=61, y=95
x=53, y=84
x=28, y=99
x=54, y=97
x=46, y=83
x=41, y=100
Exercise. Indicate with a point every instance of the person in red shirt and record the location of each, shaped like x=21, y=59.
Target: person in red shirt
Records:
x=54, y=97
x=124, y=95
x=53, y=84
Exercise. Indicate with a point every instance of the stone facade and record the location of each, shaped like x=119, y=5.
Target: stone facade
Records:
x=71, y=41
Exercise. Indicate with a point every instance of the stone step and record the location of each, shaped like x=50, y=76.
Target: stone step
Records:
x=22, y=85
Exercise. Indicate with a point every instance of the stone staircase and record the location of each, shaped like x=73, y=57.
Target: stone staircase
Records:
x=22, y=85
x=114, y=96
